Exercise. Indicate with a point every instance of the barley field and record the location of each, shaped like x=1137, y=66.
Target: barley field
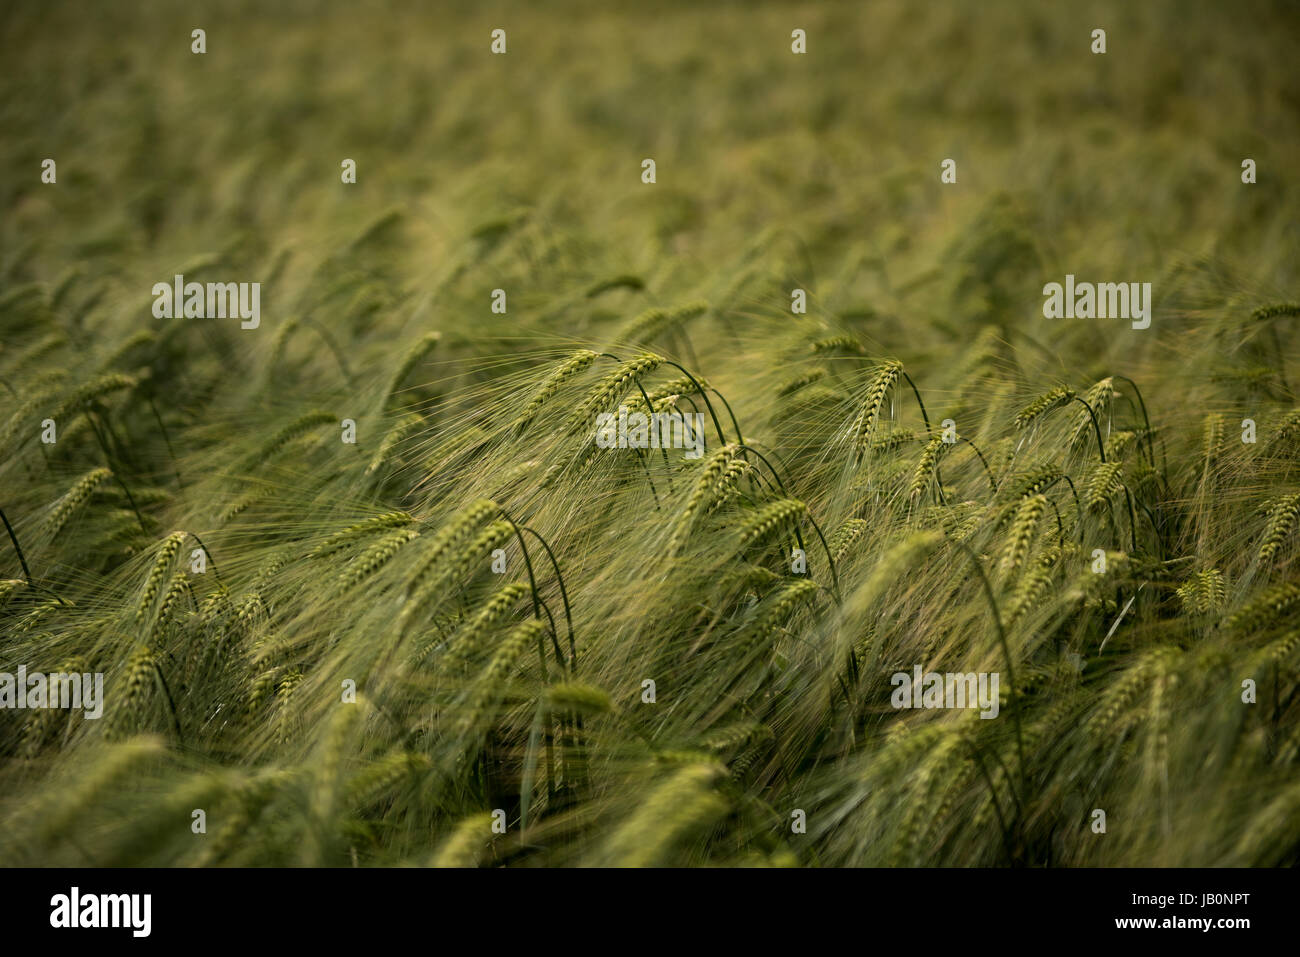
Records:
x=366, y=587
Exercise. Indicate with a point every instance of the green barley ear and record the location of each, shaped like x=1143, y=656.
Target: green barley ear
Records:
x=339, y=539
x=245, y=502
x=1103, y=483
x=798, y=382
x=373, y=558
x=624, y=281
x=467, y=843
x=278, y=344
x=327, y=778
x=293, y=430
x=250, y=800
x=96, y=388
x=710, y=474
x=8, y=586
x=750, y=577
x=446, y=562
x=979, y=358
x=1275, y=310
x=1211, y=439
x=837, y=344
x=726, y=489
x=681, y=805
x=730, y=739
x=1030, y=482
x=468, y=639
x=925, y=783
x=771, y=518
x=1282, y=517
x=1033, y=585
x=457, y=532
x=1289, y=430
x=392, y=438
x=1266, y=608
x=110, y=771
x=894, y=440
x=1204, y=592
x=958, y=519
x=382, y=777
x=1114, y=706
x=584, y=699
x=1099, y=398
x=179, y=585
x=284, y=706
x=570, y=368
x=672, y=389
x=40, y=727
x=1277, y=651
x=869, y=415
x=214, y=605
x=775, y=614
x=846, y=535
x=924, y=472
x=417, y=352
x=42, y=350
x=249, y=612
x=259, y=692
x=1271, y=829
x=489, y=686
x=653, y=323
x=1021, y=535
x=1052, y=399
x=611, y=387
x=75, y=497
x=37, y=615
x=162, y=562
x=1118, y=443
x=132, y=703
